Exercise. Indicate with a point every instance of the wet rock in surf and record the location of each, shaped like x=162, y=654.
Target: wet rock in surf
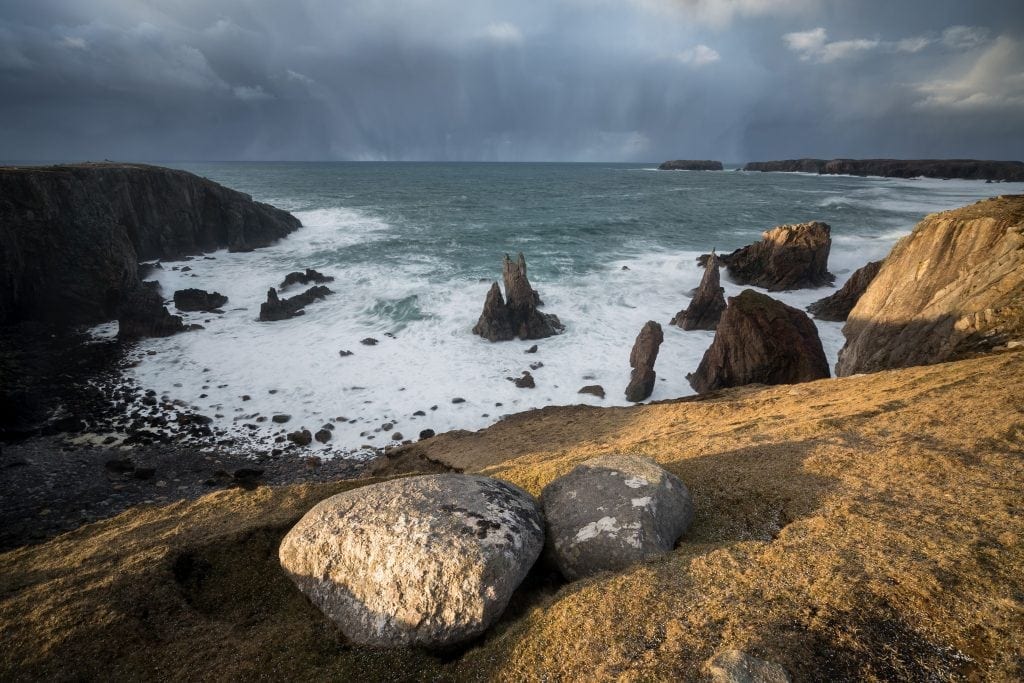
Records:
x=708, y=301
x=300, y=278
x=523, y=382
x=515, y=314
x=837, y=307
x=760, y=340
x=641, y=359
x=301, y=437
x=593, y=390
x=276, y=308
x=143, y=314
x=787, y=257
x=198, y=300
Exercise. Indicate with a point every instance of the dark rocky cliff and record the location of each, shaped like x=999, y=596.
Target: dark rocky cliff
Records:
x=71, y=236
x=969, y=169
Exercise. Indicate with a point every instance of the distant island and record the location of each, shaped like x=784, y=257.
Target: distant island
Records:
x=969, y=169
x=690, y=165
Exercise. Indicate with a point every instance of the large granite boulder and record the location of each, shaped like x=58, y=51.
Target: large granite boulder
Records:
x=708, y=301
x=760, y=341
x=515, y=314
x=953, y=287
x=613, y=511
x=429, y=561
x=642, y=359
x=198, y=300
x=837, y=307
x=787, y=257
x=276, y=308
x=143, y=314
x=71, y=237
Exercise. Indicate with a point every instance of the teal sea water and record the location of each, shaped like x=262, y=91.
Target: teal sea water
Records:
x=414, y=247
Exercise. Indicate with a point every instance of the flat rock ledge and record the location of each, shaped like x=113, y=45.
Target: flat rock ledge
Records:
x=613, y=511
x=425, y=561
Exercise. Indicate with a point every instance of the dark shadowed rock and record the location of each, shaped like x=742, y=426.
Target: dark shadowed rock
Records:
x=427, y=561
x=838, y=306
x=525, y=381
x=641, y=359
x=760, y=340
x=593, y=390
x=494, y=324
x=515, y=314
x=368, y=341
x=71, y=237
x=690, y=165
x=304, y=278
x=301, y=437
x=143, y=314
x=951, y=288
x=426, y=434
x=613, y=511
x=708, y=301
x=323, y=435
x=787, y=257
x=276, y=308
x=198, y=300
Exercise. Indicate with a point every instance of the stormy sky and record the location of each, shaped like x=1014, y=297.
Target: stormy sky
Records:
x=517, y=80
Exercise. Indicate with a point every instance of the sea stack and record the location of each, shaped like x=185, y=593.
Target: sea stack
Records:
x=787, y=257
x=837, y=307
x=641, y=359
x=690, y=165
x=760, y=340
x=515, y=314
x=708, y=302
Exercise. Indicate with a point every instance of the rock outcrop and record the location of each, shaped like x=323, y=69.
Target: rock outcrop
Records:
x=641, y=359
x=304, y=278
x=708, y=301
x=429, y=561
x=198, y=300
x=690, y=165
x=953, y=287
x=837, y=307
x=71, y=237
x=276, y=308
x=515, y=314
x=787, y=257
x=143, y=314
x=760, y=341
x=613, y=511
x=970, y=169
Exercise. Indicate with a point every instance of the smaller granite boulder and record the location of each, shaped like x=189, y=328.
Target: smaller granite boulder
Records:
x=198, y=300
x=613, y=511
x=425, y=561
x=641, y=359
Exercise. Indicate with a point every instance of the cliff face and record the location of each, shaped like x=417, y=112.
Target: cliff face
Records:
x=71, y=237
x=954, y=286
x=838, y=306
x=970, y=169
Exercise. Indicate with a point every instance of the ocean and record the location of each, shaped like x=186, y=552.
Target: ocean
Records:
x=414, y=248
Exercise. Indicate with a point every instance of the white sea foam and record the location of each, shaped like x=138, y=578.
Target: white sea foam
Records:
x=432, y=357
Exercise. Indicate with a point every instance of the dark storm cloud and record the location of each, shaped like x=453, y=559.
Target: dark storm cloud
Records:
x=543, y=80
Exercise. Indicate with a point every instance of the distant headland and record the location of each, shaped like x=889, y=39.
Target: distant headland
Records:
x=691, y=165
x=969, y=169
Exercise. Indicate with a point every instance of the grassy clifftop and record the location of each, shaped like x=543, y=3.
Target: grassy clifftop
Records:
x=867, y=527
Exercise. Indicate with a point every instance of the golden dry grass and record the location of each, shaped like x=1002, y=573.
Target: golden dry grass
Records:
x=863, y=528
